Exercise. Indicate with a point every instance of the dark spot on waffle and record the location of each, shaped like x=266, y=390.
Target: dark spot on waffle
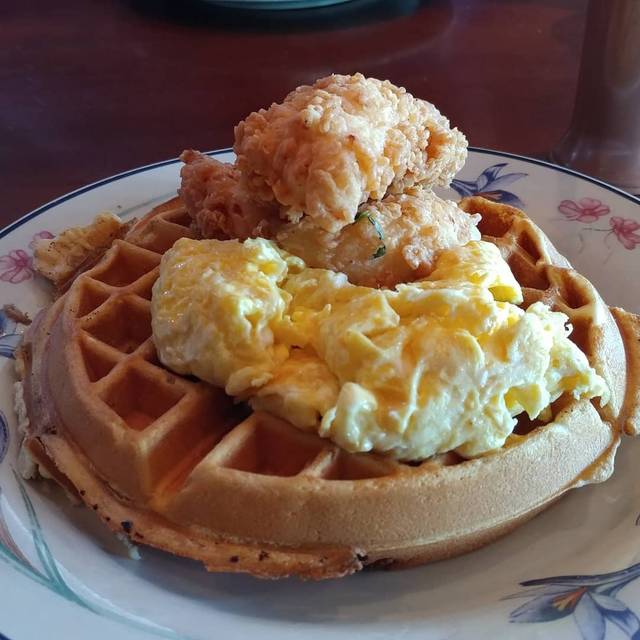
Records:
x=381, y=563
x=363, y=557
x=323, y=559
x=127, y=526
x=263, y=555
x=137, y=534
x=94, y=507
x=234, y=559
x=107, y=519
x=82, y=492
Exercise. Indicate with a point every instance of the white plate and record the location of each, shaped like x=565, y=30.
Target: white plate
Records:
x=63, y=576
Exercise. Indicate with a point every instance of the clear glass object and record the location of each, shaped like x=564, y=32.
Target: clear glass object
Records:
x=603, y=139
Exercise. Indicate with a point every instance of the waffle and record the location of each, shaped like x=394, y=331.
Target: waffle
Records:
x=173, y=463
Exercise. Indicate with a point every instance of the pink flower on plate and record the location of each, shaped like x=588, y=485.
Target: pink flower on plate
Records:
x=626, y=231
x=16, y=266
x=585, y=210
x=41, y=235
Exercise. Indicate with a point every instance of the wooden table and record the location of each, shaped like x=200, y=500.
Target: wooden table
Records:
x=89, y=88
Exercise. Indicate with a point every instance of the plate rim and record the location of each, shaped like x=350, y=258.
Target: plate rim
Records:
x=163, y=163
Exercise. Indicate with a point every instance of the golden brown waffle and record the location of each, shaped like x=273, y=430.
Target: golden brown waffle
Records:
x=175, y=464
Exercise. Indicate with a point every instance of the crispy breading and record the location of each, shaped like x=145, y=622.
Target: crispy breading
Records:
x=330, y=147
x=394, y=240
x=219, y=204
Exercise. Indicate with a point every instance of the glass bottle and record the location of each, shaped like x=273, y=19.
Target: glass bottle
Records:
x=603, y=139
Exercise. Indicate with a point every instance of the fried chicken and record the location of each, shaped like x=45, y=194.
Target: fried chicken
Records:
x=393, y=240
x=218, y=202
x=331, y=147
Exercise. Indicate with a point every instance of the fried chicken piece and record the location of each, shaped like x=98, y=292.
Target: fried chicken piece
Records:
x=218, y=202
x=394, y=240
x=330, y=147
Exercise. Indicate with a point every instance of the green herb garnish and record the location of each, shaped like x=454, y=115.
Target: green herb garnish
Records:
x=382, y=249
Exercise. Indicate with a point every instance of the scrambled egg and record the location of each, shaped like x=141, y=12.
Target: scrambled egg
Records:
x=445, y=363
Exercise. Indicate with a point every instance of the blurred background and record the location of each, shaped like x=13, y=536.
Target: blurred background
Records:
x=91, y=88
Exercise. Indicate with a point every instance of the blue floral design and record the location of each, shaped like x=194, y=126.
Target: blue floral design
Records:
x=9, y=336
x=591, y=600
x=490, y=184
x=50, y=576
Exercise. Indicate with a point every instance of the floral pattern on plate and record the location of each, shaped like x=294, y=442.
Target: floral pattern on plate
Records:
x=9, y=336
x=490, y=184
x=625, y=230
x=590, y=210
x=50, y=576
x=585, y=210
x=591, y=600
x=17, y=265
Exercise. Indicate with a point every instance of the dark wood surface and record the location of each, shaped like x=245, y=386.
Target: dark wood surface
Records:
x=89, y=88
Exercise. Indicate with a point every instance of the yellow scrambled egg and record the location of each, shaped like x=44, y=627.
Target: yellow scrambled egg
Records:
x=442, y=364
